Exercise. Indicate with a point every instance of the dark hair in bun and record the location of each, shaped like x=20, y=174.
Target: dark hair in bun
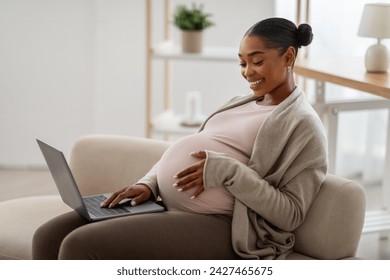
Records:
x=305, y=35
x=281, y=33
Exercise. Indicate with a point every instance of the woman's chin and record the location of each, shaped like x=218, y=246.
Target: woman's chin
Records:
x=259, y=93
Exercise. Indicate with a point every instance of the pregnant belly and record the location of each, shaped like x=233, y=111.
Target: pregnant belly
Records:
x=177, y=157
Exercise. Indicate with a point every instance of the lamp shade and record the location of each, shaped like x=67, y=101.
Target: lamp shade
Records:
x=375, y=21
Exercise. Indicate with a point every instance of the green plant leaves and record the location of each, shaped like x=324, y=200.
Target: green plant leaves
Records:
x=191, y=18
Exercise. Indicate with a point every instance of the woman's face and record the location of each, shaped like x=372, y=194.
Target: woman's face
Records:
x=265, y=69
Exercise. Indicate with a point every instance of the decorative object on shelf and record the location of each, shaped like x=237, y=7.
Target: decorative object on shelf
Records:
x=375, y=23
x=191, y=21
x=193, y=110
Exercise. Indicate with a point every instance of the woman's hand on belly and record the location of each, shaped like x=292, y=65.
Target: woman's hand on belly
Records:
x=139, y=193
x=192, y=176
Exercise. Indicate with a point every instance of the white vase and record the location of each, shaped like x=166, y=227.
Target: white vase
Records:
x=193, y=110
x=192, y=41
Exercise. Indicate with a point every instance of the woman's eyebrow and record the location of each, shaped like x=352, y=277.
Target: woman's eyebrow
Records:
x=252, y=53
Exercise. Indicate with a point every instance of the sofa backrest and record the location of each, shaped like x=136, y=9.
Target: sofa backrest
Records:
x=103, y=164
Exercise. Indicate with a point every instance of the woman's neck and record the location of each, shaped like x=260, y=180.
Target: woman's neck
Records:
x=278, y=95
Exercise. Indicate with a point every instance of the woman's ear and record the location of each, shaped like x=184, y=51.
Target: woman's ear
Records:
x=289, y=56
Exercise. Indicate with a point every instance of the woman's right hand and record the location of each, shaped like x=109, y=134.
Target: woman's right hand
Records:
x=139, y=193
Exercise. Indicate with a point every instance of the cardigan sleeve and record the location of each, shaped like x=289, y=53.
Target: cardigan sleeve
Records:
x=284, y=201
x=284, y=207
x=150, y=180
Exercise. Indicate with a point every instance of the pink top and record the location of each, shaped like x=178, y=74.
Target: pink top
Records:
x=232, y=132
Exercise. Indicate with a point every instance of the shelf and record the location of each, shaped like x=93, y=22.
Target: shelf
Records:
x=168, y=122
x=167, y=50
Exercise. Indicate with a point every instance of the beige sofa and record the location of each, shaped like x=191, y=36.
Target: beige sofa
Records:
x=102, y=164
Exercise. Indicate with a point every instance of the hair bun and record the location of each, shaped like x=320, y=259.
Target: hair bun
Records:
x=305, y=35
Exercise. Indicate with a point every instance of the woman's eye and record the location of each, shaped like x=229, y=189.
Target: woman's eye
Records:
x=243, y=65
x=258, y=63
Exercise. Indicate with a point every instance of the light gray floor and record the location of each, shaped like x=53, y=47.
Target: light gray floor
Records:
x=16, y=183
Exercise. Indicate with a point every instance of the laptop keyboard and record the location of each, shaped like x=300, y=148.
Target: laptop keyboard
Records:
x=93, y=205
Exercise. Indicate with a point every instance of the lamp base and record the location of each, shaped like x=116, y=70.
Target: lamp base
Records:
x=377, y=59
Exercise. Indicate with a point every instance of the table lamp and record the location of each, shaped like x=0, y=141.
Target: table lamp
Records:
x=375, y=23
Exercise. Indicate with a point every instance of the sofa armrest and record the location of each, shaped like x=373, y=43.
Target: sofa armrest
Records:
x=333, y=225
x=104, y=163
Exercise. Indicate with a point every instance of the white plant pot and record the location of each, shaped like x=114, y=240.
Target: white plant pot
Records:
x=192, y=41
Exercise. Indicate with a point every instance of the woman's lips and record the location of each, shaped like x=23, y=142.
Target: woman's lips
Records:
x=253, y=84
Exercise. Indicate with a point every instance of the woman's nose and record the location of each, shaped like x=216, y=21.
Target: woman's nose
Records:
x=248, y=71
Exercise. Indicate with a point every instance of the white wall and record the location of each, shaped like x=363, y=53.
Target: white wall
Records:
x=68, y=68
x=74, y=67
x=45, y=75
x=119, y=85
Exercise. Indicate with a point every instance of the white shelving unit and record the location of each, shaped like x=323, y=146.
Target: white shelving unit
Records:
x=167, y=122
x=167, y=50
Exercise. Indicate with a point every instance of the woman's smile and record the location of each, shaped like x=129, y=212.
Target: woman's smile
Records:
x=254, y=84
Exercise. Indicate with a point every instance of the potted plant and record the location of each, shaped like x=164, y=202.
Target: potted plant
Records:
x=191, y=21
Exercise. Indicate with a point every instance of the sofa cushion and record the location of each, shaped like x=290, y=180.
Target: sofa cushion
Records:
x=20, y=218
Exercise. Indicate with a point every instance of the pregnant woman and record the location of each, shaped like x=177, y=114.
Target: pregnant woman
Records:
x=236, y=189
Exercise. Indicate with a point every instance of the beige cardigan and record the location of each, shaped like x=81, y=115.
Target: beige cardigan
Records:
x=275, y=190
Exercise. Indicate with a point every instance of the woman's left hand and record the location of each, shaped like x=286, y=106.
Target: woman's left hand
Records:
x=192, y=177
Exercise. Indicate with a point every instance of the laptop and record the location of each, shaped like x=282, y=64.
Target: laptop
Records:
x=87, y=206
